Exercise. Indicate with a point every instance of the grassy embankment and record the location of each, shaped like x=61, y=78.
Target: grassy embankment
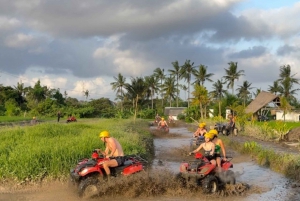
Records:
x=49, y=150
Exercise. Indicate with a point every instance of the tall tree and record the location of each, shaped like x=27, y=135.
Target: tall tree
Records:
x=20, y=89
x=136, y=90
x=201, y=75
x=169, y=89
x=287, y=81
x=244, y=91
x=86, y=93
x=275, y=88
x=200, y=98
x=118, y=86
x=176, y=73
x=186, y=72
x=160, y=74
x=232, y=74
x=218, y=92
x=153, y=84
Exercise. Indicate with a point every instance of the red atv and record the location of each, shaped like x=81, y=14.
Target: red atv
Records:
x=206, y=174
x=89, y=172
x=71, y=119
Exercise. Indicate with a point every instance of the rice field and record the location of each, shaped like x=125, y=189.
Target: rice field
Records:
x=31, y=153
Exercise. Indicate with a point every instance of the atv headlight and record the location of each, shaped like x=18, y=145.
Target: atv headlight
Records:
x=85, y=170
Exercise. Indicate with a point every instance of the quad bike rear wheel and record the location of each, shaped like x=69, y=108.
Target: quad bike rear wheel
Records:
x=210, y=184
x=88, y=188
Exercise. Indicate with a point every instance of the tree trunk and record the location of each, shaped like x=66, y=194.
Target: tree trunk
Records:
x=135, y=111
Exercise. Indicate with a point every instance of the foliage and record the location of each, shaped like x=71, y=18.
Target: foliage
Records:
x=12, y=108
x=51, y=149
x=147, y=114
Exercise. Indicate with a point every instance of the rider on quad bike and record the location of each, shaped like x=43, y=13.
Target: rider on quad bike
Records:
x=113, y=150
x=208, y=146
x=89, y=174
x=162, y=125
x=198, y=136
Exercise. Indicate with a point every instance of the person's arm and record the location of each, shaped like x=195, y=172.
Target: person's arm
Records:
x=223, y=149
x=198, y=149
x=166, y=123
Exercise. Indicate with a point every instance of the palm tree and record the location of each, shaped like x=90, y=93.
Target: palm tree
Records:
x=275, y=88
x=118, y=86
x=176, y=72
x=20, y=93
x=232, y=74
x=186, y=72
x=38, y=92
x=201, y=98
x=152, y=82
x=218, y=92
x=244, y=91
x=86, y=93
x=201, y=75
x=136, y=90
x=287, y=81
x=169, y=88
x=255, y=94
x=159, y=73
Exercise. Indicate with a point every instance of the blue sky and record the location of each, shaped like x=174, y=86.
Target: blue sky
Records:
x=82, y=45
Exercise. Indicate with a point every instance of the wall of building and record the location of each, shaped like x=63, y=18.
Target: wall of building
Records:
x=291, y=116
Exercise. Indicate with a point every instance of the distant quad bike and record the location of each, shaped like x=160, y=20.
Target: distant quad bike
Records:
x=88, y=174
x=164, y=129
x=205, y=174
x=71, y=119
x=224, y=128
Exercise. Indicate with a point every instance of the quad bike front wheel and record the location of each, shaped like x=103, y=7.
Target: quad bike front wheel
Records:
x=88, y=188
x=210, y=184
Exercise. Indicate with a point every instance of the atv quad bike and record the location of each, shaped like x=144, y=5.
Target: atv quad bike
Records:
x=205, y=174
x=224, y=129
x=88, y=174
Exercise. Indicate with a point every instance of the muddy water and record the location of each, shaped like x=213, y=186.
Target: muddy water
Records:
x=159, y=184
x=264, y=184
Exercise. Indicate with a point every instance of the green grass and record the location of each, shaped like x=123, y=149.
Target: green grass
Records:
x=51, y=149
x=274, y=124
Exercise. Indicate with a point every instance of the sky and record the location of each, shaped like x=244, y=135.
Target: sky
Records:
x=79, y=45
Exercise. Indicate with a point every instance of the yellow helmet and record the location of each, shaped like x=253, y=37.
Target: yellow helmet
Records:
x=202, y=125
x=162, y=118
x=209, y=135
x=33, y=117
x=104, y=134
x=214, y=132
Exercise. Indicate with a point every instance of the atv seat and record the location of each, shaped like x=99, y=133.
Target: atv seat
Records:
x=119, y=169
